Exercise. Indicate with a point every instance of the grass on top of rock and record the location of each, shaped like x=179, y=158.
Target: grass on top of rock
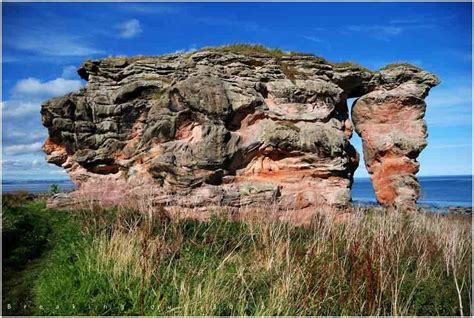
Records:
x=133, y=262
x=237, y=48
x=400, y=64
x=350, y=65
x=247, y=49
x=259, y=50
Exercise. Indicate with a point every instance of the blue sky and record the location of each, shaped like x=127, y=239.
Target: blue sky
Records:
x=43, y=43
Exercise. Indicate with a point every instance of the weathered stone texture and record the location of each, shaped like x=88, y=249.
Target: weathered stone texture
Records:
x=390, y=122
x=232, y=129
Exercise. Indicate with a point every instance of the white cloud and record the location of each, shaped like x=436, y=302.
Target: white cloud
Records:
x=190, y=48
x=69, y=71
x=129, y=29
x=149, y=8
x=33, y=86
x=317, y=40
x=24, y=164
x=447, y=97
x=50, y=44
x=14, y=134
x=313, y=39
x=28, y=166
x=423, y=21
x=23, y=148
x=449, y=106
x=381, y=32
x=28, y=94
x=19, y=108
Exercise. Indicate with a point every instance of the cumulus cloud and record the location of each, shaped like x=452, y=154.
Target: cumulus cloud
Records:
x=19, y=108
x=129, y=29
x=23, y=164
x=33, y=86
x=23, y=148
x=18, y=135
x=22, y=130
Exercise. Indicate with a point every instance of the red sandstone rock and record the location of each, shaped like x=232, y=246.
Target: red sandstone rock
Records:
x=390, y=122
x=211, y=128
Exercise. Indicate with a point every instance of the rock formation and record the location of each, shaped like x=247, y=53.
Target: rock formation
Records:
x=390, y=122
x=216, y=127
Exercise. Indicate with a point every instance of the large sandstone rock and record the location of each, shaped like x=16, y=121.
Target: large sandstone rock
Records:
x=219, y=128
x=390, y=122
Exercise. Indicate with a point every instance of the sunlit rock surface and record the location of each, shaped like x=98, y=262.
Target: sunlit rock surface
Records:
x=390, y=122
x=213, y=128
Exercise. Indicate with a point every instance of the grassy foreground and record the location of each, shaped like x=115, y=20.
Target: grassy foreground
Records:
x=122, y=262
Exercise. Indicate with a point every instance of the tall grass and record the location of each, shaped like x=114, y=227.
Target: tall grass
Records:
x=143, y=262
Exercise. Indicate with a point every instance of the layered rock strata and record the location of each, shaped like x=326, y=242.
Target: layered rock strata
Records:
x=220, y=128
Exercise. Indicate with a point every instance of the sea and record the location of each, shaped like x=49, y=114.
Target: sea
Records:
x=437, y=191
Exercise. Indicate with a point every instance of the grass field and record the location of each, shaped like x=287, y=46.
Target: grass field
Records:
x=122, y=262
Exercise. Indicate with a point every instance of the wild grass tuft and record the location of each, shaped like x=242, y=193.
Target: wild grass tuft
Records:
x=351, y=65
x=398, y=264
x=248, y=49
x=145, y=261
x=400, y=64
x=291, y=72
x=261, y=50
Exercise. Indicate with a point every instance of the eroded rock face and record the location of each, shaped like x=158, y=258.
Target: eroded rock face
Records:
x=215, y=128
x=390, y=122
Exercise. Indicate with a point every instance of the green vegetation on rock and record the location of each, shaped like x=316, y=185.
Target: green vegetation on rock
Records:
x=401, y=64
x=247, y=49
x=351, y=65
x=292, y=72
x=261, y=50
